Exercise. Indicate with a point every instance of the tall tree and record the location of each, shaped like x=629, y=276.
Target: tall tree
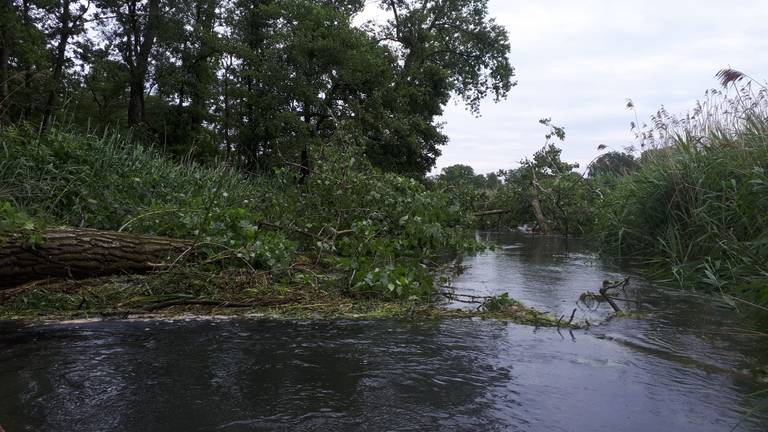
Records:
x=134, y=28
x=64, y=25
x=23, y=59
x=185, y=66
x=444, y=47
x=8, y=28
x=303, y=69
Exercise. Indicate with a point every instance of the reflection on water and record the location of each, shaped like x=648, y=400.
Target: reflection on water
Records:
x=672, y=371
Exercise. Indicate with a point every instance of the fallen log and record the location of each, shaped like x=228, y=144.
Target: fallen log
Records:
x=81, y=253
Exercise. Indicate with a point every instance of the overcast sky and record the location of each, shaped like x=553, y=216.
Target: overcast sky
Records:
x=577, y=61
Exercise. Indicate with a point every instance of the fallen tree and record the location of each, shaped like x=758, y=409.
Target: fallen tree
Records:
x=80, y=253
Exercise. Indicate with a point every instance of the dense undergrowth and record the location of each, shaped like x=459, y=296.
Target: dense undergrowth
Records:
x=693, y=203
x=697, y=206
x=348, y=227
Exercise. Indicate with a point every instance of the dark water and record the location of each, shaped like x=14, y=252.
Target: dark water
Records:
x=684, y=367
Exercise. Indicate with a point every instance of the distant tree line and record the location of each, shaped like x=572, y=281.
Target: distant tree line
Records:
x=259, y=81
x=543, y=191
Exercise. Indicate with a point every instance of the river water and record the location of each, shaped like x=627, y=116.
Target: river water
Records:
x=686, y=365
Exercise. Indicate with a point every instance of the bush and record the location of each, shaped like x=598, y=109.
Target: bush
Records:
x=381, y=234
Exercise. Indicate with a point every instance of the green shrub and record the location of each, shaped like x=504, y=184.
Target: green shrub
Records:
x=380, y=233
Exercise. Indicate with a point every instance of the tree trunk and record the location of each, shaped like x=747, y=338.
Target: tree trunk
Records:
x=536, y=204
x=202, y=72
x=6, y=38
x=58, y=63
x=138, y=48
x=4, y=95
x=136, y=99
x=80, y=253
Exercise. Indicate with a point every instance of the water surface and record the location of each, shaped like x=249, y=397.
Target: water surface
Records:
x=684, y=367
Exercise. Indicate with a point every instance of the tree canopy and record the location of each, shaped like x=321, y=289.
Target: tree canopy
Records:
x=257, y=81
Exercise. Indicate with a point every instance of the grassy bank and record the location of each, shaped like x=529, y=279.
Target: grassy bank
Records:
x=697, y=205
x=350, y=241
x=190, y=292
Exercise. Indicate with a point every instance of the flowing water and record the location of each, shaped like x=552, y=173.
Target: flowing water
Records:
x=686, y=365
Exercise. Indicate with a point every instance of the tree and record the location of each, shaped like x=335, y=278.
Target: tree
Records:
x=133, y=29
x=303, y=71
x=442, y=48
x=265, y=80
x=104, y=92
x=23, y=59
x=613, y=163
x=455, y=174
x=65, y=23
x=8, y=28
x=455, y=37
x=185, y=66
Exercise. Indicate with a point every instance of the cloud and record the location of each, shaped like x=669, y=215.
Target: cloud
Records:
x=577, y=62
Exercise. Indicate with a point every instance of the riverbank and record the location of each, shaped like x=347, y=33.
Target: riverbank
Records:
x=174, y=236
x=234, y=293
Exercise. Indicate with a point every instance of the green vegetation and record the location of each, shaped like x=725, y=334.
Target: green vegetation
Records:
x=564, y=198
x=382, y=232
x=697, y=205
x=289, y=137
x=280, y=137
x=350, y=242
x=693, y=205
x=257, y=81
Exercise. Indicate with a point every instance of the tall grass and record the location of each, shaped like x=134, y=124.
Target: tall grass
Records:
x=101, y=181
x=376, y=232
x=698, y=204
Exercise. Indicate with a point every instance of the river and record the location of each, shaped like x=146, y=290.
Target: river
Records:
x=685, y=365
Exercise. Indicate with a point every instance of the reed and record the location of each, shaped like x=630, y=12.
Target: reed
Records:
x=697, y=207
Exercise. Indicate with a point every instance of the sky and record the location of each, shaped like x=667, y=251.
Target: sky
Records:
x=578, y=61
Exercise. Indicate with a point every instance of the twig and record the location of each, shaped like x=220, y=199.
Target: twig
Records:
x=125, y=225
x=604, y=293
x=492, y=212
x=472, y=298
x=746, y=302
x=570, y=320
x=215, y=303
x=298, y=230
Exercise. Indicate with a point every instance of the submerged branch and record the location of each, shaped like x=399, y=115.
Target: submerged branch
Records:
x=607, y=285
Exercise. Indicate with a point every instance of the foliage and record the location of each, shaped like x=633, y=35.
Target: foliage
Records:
x=564, y=195
x=698, y=203
x=258, y=82
x=379, y=233
x=613, y=163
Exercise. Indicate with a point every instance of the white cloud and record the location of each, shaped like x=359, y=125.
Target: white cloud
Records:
x=577, y=62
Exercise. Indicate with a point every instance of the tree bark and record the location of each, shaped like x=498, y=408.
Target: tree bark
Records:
x=6, y=38
x=140, y=42
x=536, y=204
x=81, y=253
x=65, y=31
